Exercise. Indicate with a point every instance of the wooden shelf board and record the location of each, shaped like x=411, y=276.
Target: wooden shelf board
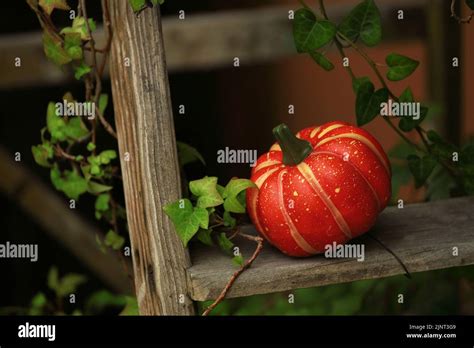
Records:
x=421, y=235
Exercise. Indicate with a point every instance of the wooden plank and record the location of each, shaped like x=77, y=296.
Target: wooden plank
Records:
x=149, y=160
x=422, y=235
x=63, y=224
x=204, y=41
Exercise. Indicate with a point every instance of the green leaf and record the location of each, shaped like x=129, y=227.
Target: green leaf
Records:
x=137, y=5
x=53, y=278
x=368, y=102
x=81, y=70
x=69, y=284
x=407, y=123
x=75, y=129
x=400, y=67
x=322, y=61
x=39, y=300
x=131, y=308
x=106, y=156
x=400, y=176
x=73, y=45
x=225, y=243
x=206, y=191
x=69, y=182
x=421, y=168
x=187, y=219
x=53, y=49
x=49, y=5
x=95, y=187
x=102, y=202
x=364, y=22
x=103, y=101
x=204, y=236
x=440, y=147
x=55, y=124
x=101, y=300
x=41, y=154
x=400, y=151
x=238, y=260
x=232, y=202
x=79, y=26
x=440, y=184
x=114, y=240
x=309, y=33
x=229, y=220
x=90, y=146
x=470, y=4
x=356, y=83
x=188, y=154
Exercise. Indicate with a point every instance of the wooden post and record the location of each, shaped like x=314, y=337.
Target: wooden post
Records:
x=148, y=159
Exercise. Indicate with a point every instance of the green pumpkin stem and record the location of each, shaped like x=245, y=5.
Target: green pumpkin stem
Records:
x=294, y=150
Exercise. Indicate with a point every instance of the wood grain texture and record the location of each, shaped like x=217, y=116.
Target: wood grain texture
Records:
x=422, y=235
x=146, y=135
x=205, y=41
x=51, y=211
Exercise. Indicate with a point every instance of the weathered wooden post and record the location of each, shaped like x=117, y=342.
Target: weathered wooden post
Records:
x=148, y=157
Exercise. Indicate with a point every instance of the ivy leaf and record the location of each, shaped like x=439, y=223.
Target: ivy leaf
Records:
x=238, y=260
x=106, y=156
x=53, y=49
x=114, y=240
x=49, y=5
x=81, y=70
x=233, y=203
x=55, y=124
x=440, y=147
x=69, y=182
x=229, y=220
x=225, y=243
x=187, y=219
x=400, y=67
x=79, y=26
x=322, y=61
x=95, y=187
x=131, y=307
x=69, y=284
x=364, y=22
x=101, y=205
x=407, y=124
x=75, y=129
x=368, y=102
x=103, y=102
x=72, y=45
x=206, y=191
x=356, y=83
x=37, y=304
x=421, y=168
x=188, y=154
x=53, y=278
x=137, y=5
x=470, y=4
x=309, y=33
x=42, y=153
x=204, y=236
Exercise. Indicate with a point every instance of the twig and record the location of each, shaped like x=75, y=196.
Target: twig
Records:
x=105, y=124
x=461, y=20
x=407, y=273
x=247, y=264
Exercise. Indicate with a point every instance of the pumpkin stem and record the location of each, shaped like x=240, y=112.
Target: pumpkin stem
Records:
x=294, y=150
